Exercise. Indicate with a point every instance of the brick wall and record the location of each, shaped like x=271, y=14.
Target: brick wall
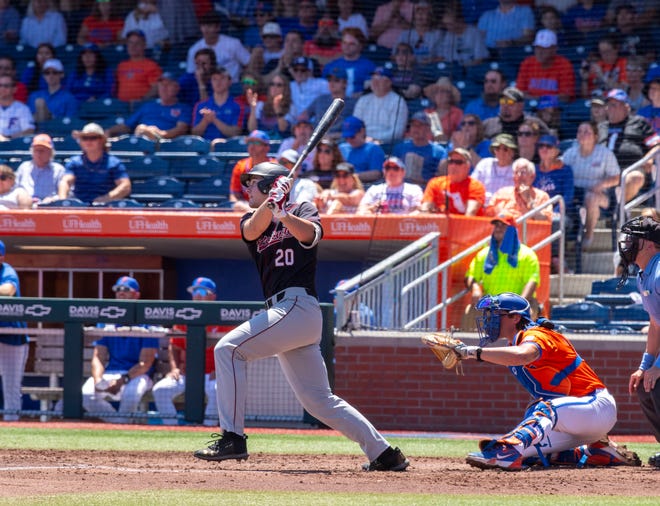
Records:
x=399, y=384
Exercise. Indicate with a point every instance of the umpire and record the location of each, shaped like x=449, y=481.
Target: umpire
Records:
x=640, y=245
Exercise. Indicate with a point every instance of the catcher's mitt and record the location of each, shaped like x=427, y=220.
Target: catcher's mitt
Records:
x=444, y=347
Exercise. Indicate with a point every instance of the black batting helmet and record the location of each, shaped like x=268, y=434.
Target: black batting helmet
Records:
x=270, y=171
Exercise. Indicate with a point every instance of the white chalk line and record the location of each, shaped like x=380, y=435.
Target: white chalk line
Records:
x=88, y=467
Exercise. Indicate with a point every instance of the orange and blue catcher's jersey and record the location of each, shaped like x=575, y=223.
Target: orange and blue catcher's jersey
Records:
x=559, y=371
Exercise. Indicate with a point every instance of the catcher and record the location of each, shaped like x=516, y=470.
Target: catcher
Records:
x=573, y=411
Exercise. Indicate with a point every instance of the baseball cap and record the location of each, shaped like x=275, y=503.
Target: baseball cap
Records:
x=422, y=117
x=548, y=140
x=126, y=282
x=92, y=129
x=617, y=94
x=547, y=101
x=393, y=161
x=42, y=140
x=545, y=38
x=514, y=94
x=653, y=74
x=290, y=155
x=2, y=248
x=504, y=217
x=503, y=140
x=462, y=152
x=258, y=135
x=167, y=75
x=351, y=126
x=139, y=33
x=382, y=71
x=271, y=28
x=337, y=73
x=345, y=167
x=53, y=63
x=89, y=47
x=302, y=61
x=596, y=99
x=202, y=283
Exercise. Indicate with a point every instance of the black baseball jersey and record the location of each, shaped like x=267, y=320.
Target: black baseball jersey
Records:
x=630, y=140
x=281, y=260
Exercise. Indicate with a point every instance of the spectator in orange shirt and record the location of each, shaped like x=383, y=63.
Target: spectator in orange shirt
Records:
x=102, y=27
x=457, y=192
x=546, y=72
x=137, y=76
x=522, y=197
x=258, y=145
x=326, y=44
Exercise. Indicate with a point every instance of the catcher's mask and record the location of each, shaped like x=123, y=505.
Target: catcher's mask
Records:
x=270, y=171
x=642, y=227
x=492, y=308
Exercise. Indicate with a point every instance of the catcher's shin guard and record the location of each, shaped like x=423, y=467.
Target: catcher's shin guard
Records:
x=538, y=419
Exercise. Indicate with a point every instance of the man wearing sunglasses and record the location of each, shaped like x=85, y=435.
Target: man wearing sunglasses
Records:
x=512, y=114
x=15, y=117
x=394, y=195
x=55, y=101
x=258, y=145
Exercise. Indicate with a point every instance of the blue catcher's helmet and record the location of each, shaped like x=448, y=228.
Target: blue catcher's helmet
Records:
x=492, y=307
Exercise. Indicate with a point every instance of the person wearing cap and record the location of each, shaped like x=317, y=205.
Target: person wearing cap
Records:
x=423, y=35
x=630, y=137
x=12, y=196
x=43, y=23
x=137, y=76
x=15, y=117
x=548, y=110
x=457, y=192
x=217, y=117
x=302, y=131
x=420, y=155
x=337, y=82
x=102, y=27
x=146, y=17
x=14, y=348
x=325, y=45
x=522, y=197
x=229, y=51
x=55, y=101
x=92, y=79
x=546, y=72
x=444, y=113
x=263, y=13
x=512, y=114
x=367, y=157
x=121, y=367
x=509, y=24
x=504, y=265
x=597, y=109
x=40, y=176
x=652, y=89
x=271, y=39
x=640, y=246
x=173, y=384
x=95, y=177
x=293, y=48
x=258, y=146
x=303, y=189
x=394, y=196
x=357, y=67
x=163, y=118
x=605, y=72
x=304, y=87
x=384, y=112
x=496, y=172
x=488, y=104
x=196, y=86
x=345, y=192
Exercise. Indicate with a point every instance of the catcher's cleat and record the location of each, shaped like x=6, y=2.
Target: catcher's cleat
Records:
x=497, y=456
x=390, y=460
x=607, y=453
x=654, y=461
x=225, y=446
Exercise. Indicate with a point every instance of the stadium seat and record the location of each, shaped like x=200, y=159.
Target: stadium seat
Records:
x=124, y=203
x=210, y=191
x=581, y=315
x=377, y=54
x=157, y=189
x=105, y=108
x=66, y=143
x=16, y=144
x=146, y=167
x=610, y=286
x=611, y=299
x=184, y=144
x=196, y=167
x=133, y=144
x=179, y=204
x=631, y=315
x=70, y=202
x=60, y=126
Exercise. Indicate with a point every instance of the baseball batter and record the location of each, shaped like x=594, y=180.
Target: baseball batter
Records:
x=572, y=412
x=641, y=245
x=283, y=240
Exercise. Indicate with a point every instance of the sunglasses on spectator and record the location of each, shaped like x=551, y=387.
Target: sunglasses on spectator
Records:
x=470, y=122
x=525, y=133
x=391, y=166
x=342, y=174
x=51, y=72
x=456, y=161
x=4, y=177
x=501, y=147
x=255, y=143
x=249, y=82
x=277, y=85
x=327, y=151
x=123, y=289
x=90, y=137
x=508, y=101
x=544, y=146
x=203, y=292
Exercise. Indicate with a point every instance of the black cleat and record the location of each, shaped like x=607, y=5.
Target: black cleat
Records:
x=225, y=446
x=390, y=460
x=654, y=461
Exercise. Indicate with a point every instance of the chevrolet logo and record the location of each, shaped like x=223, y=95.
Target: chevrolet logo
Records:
x=38, y=310
x=188, y=313
x=113, y=312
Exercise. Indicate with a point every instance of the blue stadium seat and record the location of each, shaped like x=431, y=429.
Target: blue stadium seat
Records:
x=69, y=202
x=610, y=286
x=60, y=126
x=196, y=167
x=179, y=204
x=631, y=315
x=210, y=191
x=66, y=143
x=133, y=143
x=124, y=203
x=184, y=144
x=377, y=54
x=157, y=189
x=16, y=144
x=104, y=108
x=581, y=315
x=146, y=167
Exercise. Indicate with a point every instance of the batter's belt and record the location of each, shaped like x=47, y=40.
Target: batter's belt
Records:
x=290, y=293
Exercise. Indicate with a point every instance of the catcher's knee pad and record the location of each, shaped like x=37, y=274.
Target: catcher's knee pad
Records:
x=539, y=418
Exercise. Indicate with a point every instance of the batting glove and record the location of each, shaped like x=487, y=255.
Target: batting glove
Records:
x=276, y=200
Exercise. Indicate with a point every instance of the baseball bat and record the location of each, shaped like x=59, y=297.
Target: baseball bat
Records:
x=321, y=129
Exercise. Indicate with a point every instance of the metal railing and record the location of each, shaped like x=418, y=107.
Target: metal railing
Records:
x=441, y=271
x=625, y=207
x=371, y=299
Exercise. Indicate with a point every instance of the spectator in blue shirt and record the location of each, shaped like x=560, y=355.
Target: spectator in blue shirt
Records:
x=217, y=117
x=196, y=86
x=420, y=156
x=55, y=101
x=357, y=67
x=92, y=78
x=165, y=118
x=488, y=104
x=95, y=176
x=10, y=23
x=366, y=157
